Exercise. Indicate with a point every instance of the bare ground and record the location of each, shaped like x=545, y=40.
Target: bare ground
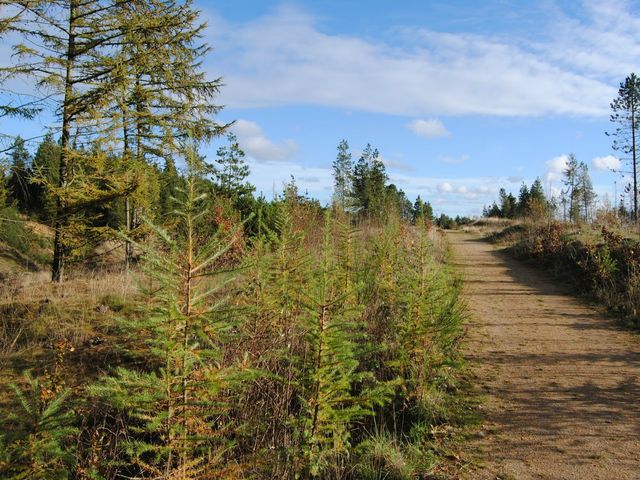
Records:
x=560, y=379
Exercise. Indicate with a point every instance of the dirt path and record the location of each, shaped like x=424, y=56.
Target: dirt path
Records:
x=562, y=383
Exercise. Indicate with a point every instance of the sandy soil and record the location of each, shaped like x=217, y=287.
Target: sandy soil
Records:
x=560, y=380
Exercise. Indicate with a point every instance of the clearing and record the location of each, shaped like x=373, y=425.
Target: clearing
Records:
x=560, y=380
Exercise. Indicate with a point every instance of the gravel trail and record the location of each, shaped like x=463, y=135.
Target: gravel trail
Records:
x=560, y=380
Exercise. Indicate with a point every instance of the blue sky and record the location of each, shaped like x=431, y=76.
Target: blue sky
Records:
x=460, y=97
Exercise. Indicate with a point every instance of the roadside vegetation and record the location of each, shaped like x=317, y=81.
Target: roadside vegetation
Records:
x=592, y=248
x=325, y=346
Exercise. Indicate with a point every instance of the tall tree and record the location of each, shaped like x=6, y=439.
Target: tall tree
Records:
x=164, y=97
x=507, y=204
x=369, y=179
x=64, y=43
x=625, y=114
x=342, y=175
x=538, y=204
x=524, y=197
x=572, y=185
x=421, y=211
x=587, y=194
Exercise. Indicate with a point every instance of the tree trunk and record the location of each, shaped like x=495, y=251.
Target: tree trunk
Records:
x=128, y=248
x=635, y=162
x=57, y=266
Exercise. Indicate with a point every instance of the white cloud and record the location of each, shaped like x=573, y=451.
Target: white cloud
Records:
x=254, y=142
x=284, y=59
x=556, y=167
x=431, y=128
x=608, y=162
x=445, y=187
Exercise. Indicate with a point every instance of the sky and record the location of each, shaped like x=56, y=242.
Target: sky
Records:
x=460, y=97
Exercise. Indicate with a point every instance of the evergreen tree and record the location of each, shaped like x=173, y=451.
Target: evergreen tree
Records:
x=572, y=187
x=524, y=198
x=369, y=179
x=538, y=204
x=19, y=178
x=45, y=166
x=342, y=175
x=419, y=214
x=162, y=96
x=586, y=192
x=508, y=204
x=179, y=426
x=230, y=171
x=169, y=180
x=40, y=444
x=625, y=114
x=331, y=371
x=492, y=211
x=66, y=46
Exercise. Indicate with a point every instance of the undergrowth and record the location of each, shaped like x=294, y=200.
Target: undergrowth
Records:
x=320, y=349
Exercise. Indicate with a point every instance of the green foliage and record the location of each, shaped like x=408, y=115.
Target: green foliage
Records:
x=329, y=401
x=15, y=233
x=18, y=180
x=45, y=166
x=40, y=445
x=178, y=408
x=230, y=171
x=422, y=212
x=369, y=179
x=531, y=203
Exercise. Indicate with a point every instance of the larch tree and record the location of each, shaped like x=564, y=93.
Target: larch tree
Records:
x=63, y=44
x=164, y=96
x=625, y=114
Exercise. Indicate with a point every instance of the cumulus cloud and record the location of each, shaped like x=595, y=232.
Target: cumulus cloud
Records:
x=254, y=142
x=608, y=162
x=431, y=128
x=284, y=58
x=445, y=187
x=556, y=167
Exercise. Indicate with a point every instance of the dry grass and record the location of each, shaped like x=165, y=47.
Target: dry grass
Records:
x=41, y=321
x=488, y=226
